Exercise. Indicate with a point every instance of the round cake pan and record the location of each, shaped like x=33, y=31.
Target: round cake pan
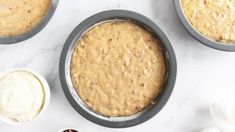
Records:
x=72, y=96
x=197, y=35
x=34, y=30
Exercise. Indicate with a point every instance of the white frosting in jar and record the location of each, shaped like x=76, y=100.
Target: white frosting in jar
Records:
x=21, y=96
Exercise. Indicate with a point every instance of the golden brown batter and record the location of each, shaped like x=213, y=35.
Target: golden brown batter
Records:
x=118, y=68
x=20, y=16
x=213, y=18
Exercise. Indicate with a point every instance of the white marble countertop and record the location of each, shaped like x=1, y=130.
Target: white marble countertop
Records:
x=204, y=74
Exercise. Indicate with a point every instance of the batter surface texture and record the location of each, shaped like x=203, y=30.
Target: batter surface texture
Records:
x=20, y=16
x=214, y=19
x=118, y=68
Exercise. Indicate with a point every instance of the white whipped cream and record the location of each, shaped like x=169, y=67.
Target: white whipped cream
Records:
x=22, y=96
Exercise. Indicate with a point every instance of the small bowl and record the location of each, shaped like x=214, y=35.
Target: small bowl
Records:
x=197, y=35
x=47, y=96
x=80, y=106
x=64, y=129
x=34, y=30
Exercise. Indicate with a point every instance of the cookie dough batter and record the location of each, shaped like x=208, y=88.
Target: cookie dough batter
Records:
x=214, y=19
x=118, y=68
x=20, y=16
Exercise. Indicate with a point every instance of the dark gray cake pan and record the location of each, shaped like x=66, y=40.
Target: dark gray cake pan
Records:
x=198, y=36
x=80, y=106
x=34, y=31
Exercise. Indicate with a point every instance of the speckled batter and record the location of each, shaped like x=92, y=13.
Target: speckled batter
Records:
x=20, y=16
x=118, y=68
x=213, y=18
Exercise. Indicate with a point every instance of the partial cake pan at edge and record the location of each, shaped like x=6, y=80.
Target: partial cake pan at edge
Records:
x=34, y=30
x=198, y=36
